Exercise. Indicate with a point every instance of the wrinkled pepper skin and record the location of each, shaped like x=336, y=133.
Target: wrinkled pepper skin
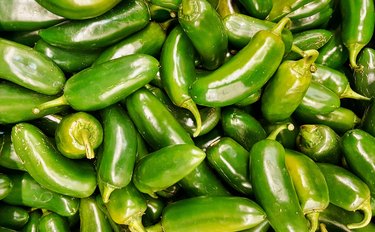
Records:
x=257, y=8
x=126, y=18
x=117, y=158
x=231, y=161
x=33, y=222
x=165, y=167
x=71, y=9
x=13, y=217
x=243, y=74
x=21, y=15
x=91, y=217
x=53, y=222
x=273, y=187
x=91, y=89
x=26, y=67
x=357, y=26
x=214, y=214
x=204, y=26
x=48, y=167
x=27, y=192
x=357, y=193
x=365, y=76
x=6, y=185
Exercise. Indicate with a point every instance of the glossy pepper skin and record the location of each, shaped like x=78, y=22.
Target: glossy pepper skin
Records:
x=154, y=210
x=320, y=143
x=8, y=157
x=257, y=8
x=253, y=68
x=165, y=167
x=33, y=222
x=78, y=134
x=48, y=167
x=26, y=67
x=13, y=217
x=78, y=9
x=310, y=185
x=231, y=161
x=367, y=123
x=6, y=185
x=21, y=15
x=365, y=76
x=281, y=8
x=117, y=159
x=91, y=89
x=53, y=222
x=357, y=193
x=286, y=89
x=178, y=76
x=27, y=192
x=125, y=19
x=213, y=214
x=357, y=26
x=204, y=26
x=358, y=150
x=227, y=7
x=91, y=217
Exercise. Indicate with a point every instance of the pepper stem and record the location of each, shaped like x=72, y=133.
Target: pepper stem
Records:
x=354, y=49
x=165, y=25
x=298, y=50
x=350, y=93
x=188, y=7
x=314, y=221
x=60, y=101
x=309, y=134
x=279, y=27
x=280, y=128
x=323, y=227
x=85, y=136
x=190, y=105
x=135, y=225
x=155, y=228
x=310, y=56
x=107, y=190
x=367, y=215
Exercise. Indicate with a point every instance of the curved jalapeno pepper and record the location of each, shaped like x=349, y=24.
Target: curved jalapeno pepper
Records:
x=245, y=73
x=27, y=192
x=48, y=167
x=357, y=26
x=8, y=157
x=78, y=134
x=91, y=217
x=174, y=162
x=13, y=217
x=91, y=89
x=28, y=68
x=178, y=76
x=357, y=193
x=6, y=185
x=273, y=187
x=320, y=143
x=257, y=8
x=33, y=222
x=364, y=77
x=123, y=20
x=310, y=185
x=213, y=214
x=53, y=222
x=286, y=89
x=204, y=26
x=116, y=163
x=333, y=54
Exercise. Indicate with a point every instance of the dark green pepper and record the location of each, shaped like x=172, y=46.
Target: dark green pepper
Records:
x=310, y=185
x=165, y=167
x=204, y=26
x=367, y=123
x=178, y=76
x=171, y=4
x=53, y=222
x=286, y=137
x=48, y=167
x=365, y=76
x=357, y=193
x=6, y=185
x=8, y=157
x=123, y=20
x=48, y=123
x=27, y=192
x=286, y=89
x=91, y=217
x=154, y=210
x=28, y=68
x=320, y=143
x=357, y=26
x=117, y=159
x=257, y=8
x=28, y=38
x=33, y=222
x=91, y=89
x=13, y=217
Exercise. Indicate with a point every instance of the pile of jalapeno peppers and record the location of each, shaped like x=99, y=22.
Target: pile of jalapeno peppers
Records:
x=187, y=115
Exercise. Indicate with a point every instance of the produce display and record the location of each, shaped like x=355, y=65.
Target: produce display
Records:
x=187, y=115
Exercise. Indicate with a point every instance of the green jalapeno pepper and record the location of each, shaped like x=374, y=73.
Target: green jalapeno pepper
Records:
x=286, y=137
x=242, y=127
x=230, y=160
x=357, y=26
x=8, y=157
x=13, y=217
x=174, y=162
x=178, y=76
x=204, y=26
x=102, y=206
x=161, y=14
x=116, y=163
x=91, y=89
x=171, y=4
x=125, y=19
x=364, y=77
x=211, y=214
x=33, y=222
x=357, y=193
x=149, y=41
x=27, y=192
x=320, y=143
x=227, y=7
x=273, y=187
x=142, y=147
x=78, y=134
x=48, y=167
x=28, y=38
x=252, y=98
x=257, y=8
x=126, y=207
x=280, y=8
x=286, y=89
x=48, y=123
x=368, y=118
x=310, y=185
x=6, y=185
x=245, y=73
x=91, y=217
x=204, y=142
x=26, y=67
x=53, y=222
x=359, y=153
x=17, y=102
x=154, y=210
